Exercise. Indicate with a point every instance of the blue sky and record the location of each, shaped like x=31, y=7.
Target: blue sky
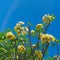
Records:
x=12, y=11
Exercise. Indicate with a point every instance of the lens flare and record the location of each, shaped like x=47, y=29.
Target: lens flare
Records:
x=10, y=11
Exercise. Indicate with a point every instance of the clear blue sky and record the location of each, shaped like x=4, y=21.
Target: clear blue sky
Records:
x=12, y=11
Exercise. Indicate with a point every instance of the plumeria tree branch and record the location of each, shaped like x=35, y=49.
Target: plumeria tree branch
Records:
x=30, y=40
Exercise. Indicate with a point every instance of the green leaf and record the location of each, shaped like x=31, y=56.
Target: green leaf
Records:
x=58, y=41
x=53, y=44
x=2, y=35
x=29, y=24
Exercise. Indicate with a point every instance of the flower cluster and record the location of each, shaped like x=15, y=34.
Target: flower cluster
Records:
x=20, y=29
x=47, y=38
x=48, y=18
x=27, y=44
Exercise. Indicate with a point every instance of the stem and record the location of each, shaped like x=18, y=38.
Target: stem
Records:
x=47, y=27
x=47, y=44
x=30, y=38
x=57, y=48
x=38, y=40
x=15, y=50
x=30, y=43
x=19, y=57
x=43, y=48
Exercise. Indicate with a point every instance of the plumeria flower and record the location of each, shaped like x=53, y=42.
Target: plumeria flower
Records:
x=52, y=38
x=21, y=48
x=10, y=36
x=16, y=28
x=57, y=57
x=22, y=28
x=26, y=29
x=21, y=22
x=33, y=45
x=18, y=25
x=23, y=33
x=39, y=27
x=32, y=31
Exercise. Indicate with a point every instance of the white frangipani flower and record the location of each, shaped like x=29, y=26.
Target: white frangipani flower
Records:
x=21, y=22
x=26, y=29
x=32, y=31
x=24, y=33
